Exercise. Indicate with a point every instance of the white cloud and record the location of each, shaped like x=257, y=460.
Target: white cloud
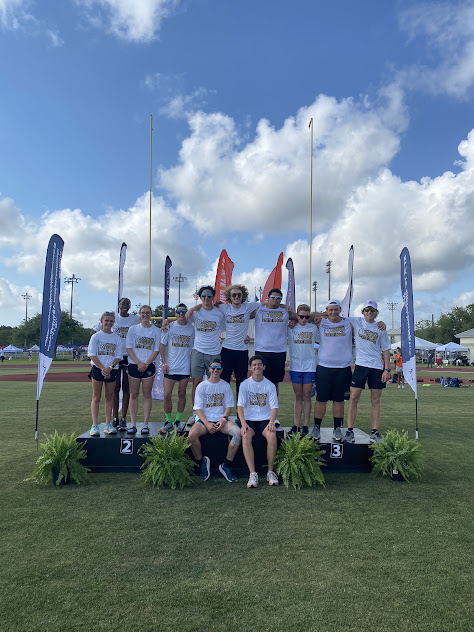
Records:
x=131, y=20
x=449, y=32
x=13, y=303
x=15, y=16
x=173, y=99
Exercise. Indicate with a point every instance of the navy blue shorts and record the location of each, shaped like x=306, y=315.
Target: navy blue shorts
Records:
x=141, y=375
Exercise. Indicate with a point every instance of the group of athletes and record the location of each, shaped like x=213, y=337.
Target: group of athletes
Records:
x=124, y=347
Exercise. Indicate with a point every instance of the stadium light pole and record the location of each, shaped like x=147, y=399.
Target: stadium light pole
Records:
x=391, y=307
x=73, y=279
x=328, y=272
x=27, y=298
x=315, y=287
x=180, y=279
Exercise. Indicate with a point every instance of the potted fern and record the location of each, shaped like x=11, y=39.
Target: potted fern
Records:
x=166, y=463
x=60, y=461
x=396, y=456
x=298, y=462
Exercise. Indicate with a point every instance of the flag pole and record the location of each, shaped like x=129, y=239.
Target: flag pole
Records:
x=311, y=216
x=151, y=154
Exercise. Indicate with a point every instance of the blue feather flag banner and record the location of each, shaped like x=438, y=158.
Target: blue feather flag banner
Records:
x=408, y=322
x=158, y=390
x=290, y=295
x=123, y=255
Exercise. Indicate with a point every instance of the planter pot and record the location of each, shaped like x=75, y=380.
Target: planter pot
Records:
x=55, y=472
x=396, y=476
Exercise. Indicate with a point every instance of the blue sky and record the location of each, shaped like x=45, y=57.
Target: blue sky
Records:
x=231, y=87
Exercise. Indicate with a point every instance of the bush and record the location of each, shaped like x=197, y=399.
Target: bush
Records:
x=166, y=462
x=63, y=453
x=298, y=462
x=396, y=453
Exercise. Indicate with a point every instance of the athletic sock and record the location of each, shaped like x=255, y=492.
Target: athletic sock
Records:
x=338, y=422
x=375, y=429
x=227, y=463
x=178, y=416
x=168, y=417
x=318, y=422
x=305, y=428
x=200, y=461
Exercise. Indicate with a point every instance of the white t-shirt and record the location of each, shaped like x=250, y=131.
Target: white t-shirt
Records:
x=122, y=325
x=213, y=398
x=301, y=340
x=257, y=399
x=207, y=324
x=270, y=329
x=106, y=347
x=237, y=324
x=179, y=340
x=143, y=341
x=335, y=345
x=369, y=343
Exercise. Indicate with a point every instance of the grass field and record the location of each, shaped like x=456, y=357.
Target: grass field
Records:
x=363, y=554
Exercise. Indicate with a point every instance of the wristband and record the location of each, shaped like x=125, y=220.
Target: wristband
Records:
x=224, y=417
x=387, y=370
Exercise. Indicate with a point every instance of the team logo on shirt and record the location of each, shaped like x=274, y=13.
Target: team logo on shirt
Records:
x=106, y=348
x=181, y=341
x=143, y=342
x=371, y=336
x=235, y=320
x=334, y=331
x=214, y=400
x=272, y=316
x=207, y=326
x=257, y=399
x=303, y=338
x=121, y=331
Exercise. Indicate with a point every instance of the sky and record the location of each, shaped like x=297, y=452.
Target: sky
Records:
x=232, y=87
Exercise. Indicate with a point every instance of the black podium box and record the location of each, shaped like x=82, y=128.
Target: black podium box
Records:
x=119, y=452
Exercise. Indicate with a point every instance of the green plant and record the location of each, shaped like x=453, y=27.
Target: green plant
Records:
x=396, y=453
x=166, y=462
x=298, y=462
x=62, y=452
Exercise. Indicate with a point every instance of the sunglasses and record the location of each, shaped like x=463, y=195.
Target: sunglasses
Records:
x=180, y=311
x=206, y=295
x=369, y=309
x=109, y=313
x=277, y=298
x=236, y=295
x=215, y=368
x=303, y=316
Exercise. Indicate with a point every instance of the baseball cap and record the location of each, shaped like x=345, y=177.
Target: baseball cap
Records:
x=370, y=304
x=333, y=301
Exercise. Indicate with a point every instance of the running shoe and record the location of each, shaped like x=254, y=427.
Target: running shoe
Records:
x=132, y=429
x=109, y=429
x=315, y=433
x=304, y=431
x=292, y=431
x=122, y=424
x=227, y=473
x=168, y=427
x=375, y=437
x=348, y=436
x=115, y=422
x=337, y=434
x=277, y=423
x=94, y=431
x=272, y=478
x=145, y=429
x=253, y=480
x=205, y=469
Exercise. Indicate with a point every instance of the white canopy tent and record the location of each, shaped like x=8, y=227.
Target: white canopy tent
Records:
x=420, y=344
x=12, y=349
x=451, y=346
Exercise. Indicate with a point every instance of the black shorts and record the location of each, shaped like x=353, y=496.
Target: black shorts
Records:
x=141, y=375
x=124, y=361
x=176, y=378
x=363, y=374
x=258, y=426
x=274, y=365
x=96, y=374
x=331, y=384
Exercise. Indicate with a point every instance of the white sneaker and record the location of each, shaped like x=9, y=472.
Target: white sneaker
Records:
x=253, y=480
x=399, y=386
x=272, y=478
x=403, y=386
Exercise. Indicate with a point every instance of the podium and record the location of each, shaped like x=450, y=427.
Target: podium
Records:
x=120, y=452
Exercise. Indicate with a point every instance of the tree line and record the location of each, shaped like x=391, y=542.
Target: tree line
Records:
x=443, y=330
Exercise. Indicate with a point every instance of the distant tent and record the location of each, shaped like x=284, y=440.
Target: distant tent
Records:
x=451, y=346
x=420, y=344
x=34, y=348
x=12, y=349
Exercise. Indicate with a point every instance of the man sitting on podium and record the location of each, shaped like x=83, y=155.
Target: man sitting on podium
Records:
x=213, y=402
x=371, y=344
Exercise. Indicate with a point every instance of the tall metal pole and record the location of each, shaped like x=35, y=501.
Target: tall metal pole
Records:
x=315, y=287
x=180, y=279
x=73, y=279
x=151, y=153
x=328, y=272
x=311, y=215
x=27, y=298
x=391, y=307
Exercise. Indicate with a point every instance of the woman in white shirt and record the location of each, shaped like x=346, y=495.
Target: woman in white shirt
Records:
x=143, y=346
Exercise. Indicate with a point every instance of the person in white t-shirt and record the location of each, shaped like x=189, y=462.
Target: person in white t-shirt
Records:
x=371, y=345
x=175, y=350
x=257, y=408
x=213, y=402
x=123, y=322
x=271, y=323
x=105, y=353
x=143, y=346
x=301, y=339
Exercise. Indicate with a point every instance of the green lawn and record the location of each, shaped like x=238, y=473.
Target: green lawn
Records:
x=363, y=554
